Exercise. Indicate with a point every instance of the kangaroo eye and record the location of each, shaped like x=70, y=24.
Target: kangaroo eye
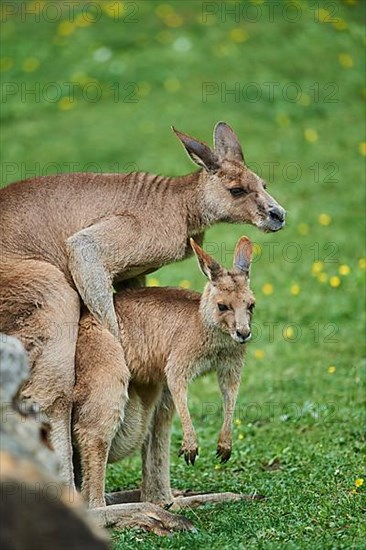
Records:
x=222, y=307
x=237, y=191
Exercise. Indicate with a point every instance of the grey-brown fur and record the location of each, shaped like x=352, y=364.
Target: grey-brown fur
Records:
x=169, y=336
x=67, y=239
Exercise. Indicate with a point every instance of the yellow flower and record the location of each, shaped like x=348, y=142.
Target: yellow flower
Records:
x=295, y=290
x=144, y=88
x=238, y=35
x=174, y=20
x=345, y=60
x=267, y=289
x=324, y=219
x=222, y=49
x=317, y=267
x=30, y=64
x=257, y=249
x=322, y=277
x=259, y=354
x=113, y=9
x=6, y=63
x=82, y=21
x=359, y=482
x=362, y=148
x=288, y=333
x=344, y=269
x=65, y=104
x=304, y=99
x=362, y=263
x=331, y=369
x=283, y=120
x=323, y=15
x=237, y=421
x=172, y=84
x=153, y=282
x=164, y=10
x=303, y=228
x=185, y=283
x=65, y=28
x=334, y=281
x=241, y=436
x=340, y=24
x=311, y=135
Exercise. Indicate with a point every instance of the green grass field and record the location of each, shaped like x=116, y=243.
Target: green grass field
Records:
x=102, y=96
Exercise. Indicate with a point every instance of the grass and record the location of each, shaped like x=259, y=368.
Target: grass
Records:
x=298, y=435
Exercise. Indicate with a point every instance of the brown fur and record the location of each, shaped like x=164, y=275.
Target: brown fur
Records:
x=70, y=237
x=169, y=336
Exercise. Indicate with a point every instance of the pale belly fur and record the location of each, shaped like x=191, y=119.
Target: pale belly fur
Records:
x=133, y=428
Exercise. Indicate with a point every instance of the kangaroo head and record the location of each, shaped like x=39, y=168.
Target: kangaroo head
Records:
x=227, y=301
x=231, y=191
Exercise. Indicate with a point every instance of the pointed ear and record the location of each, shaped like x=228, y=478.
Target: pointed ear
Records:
x=209, y=267
x=243, y=255
x=199, y=152
x=227, y=145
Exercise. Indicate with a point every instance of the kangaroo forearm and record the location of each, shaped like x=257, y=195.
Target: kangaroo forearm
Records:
x=185, y=418
x=92, y=280
x=179, y=395
x=228, y=418
x=229, y=382
x=229, y=402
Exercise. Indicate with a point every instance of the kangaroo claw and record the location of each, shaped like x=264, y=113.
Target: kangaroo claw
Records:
x=190, y=455
x=223, y=454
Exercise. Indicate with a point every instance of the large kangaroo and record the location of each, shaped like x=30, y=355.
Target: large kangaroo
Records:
x=70, y=237
x=169, y=336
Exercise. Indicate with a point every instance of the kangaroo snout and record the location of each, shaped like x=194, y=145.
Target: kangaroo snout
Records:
x=275, y=218
x=242, y=336
x=277, y=214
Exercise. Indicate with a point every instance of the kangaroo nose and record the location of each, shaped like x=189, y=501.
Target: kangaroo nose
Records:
x=244, y=337
x=277, y=214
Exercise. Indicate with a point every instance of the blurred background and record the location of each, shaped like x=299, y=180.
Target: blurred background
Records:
x=95, y=86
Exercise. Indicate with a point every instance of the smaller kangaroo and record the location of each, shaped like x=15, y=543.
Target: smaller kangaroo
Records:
x=170, y=336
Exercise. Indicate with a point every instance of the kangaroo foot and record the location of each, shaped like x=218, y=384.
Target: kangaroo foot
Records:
x=122, y=497
x=192, y=500
x=144, y=515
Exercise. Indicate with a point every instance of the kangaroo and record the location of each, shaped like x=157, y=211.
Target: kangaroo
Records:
x=67, y=239
x=169, y=336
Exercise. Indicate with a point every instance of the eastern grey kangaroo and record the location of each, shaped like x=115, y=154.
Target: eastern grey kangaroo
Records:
x=170, y=336
x=67, y=239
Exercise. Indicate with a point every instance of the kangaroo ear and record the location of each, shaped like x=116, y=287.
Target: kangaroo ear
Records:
x=199, y=152
x=227, y=145
x=209, y=267
x=243, y=255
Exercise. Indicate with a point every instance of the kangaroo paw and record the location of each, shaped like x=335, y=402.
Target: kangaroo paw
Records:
x=144, y=515
x=193, y=500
